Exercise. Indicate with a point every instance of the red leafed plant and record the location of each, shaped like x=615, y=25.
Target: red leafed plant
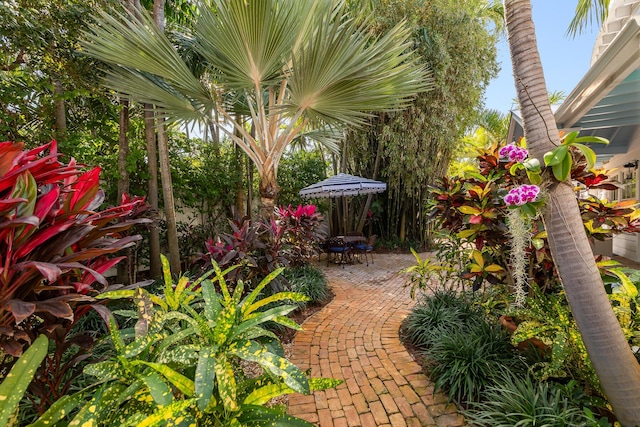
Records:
x=54, y=243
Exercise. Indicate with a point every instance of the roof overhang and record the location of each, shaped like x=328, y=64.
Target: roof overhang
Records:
x=606, y=102
x=612, y=76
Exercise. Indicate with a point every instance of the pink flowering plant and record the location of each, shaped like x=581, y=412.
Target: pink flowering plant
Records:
x=518, y=158
x=525, y=198
x=289, y=239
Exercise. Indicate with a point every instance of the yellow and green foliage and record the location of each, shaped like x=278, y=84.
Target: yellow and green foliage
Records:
x=17, y=380
x=548, y=319
x=180, y=364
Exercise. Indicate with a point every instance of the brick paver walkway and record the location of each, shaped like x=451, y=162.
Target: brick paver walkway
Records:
x=355, y=338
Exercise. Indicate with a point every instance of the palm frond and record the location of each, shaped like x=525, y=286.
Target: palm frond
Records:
x=328, y=136
x=341, y=74
x=588, y=12
x=250, y=42
x=135, y=51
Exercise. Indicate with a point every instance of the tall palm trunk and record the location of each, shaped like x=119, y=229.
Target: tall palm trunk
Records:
x=60, y=112
x=268, y=192
x=615, y=365
x=152, y=186
x=167, y=197
x=165, y=170
x=124, y=267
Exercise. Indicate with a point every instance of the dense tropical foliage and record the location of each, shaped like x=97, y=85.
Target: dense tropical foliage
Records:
x=409, y=149
x=324, y=70
x=477, y=250
x=138, y=355
x=608, y=349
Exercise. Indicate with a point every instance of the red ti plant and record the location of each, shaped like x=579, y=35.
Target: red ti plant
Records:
x=288, y=239
x=54, y=244
x=299, y=232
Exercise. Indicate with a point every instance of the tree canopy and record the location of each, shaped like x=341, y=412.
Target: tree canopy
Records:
x=458, y=42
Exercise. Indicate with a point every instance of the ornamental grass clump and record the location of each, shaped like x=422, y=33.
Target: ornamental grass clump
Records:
x=465, y=361
x=438, y=314
x=309, y=281
x=524, y=402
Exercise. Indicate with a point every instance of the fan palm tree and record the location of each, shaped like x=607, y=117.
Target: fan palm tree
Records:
x=615, y=365
x=289, y=65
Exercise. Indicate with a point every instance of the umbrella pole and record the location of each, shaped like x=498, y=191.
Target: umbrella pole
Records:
x=345, y=214
x=331, y=226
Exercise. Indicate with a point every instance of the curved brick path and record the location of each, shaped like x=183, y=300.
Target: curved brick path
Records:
x=355, y=338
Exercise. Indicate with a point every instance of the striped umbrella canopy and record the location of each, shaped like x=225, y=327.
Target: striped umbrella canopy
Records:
x=343, y=185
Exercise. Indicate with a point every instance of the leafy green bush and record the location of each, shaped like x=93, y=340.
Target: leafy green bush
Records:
x=441, y=312
x=548, y=319
x=523, y=402
x=309, y=281
x=181, y=360
x=465, y=361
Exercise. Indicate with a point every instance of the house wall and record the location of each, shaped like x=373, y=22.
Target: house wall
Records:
x=625, y=245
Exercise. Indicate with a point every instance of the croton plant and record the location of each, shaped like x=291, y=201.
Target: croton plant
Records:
x=473, y=209
x=55, y=244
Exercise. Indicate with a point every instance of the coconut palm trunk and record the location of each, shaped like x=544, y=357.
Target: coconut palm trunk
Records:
x=615, y=365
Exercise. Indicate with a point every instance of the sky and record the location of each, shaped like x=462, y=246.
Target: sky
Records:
x=565, y=60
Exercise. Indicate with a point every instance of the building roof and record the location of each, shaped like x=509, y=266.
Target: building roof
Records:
x=606, y=101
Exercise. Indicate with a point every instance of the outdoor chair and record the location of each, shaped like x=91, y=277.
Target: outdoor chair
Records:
x=337, y=249
x=367, y=248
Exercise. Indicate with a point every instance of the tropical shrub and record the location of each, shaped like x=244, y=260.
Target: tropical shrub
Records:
x=290, y=238
x=54, y=244
x=465, y=361
x=427, y=274
x=622, y=284
x=471, y=210
x=548, y=319
x=310, y=282
x=298, y=232
x=522, y=401
x=179, y=364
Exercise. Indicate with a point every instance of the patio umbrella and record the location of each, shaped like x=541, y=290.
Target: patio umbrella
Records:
x=343, y=185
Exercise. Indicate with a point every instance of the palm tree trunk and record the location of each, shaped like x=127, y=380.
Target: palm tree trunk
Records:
x=59, y=110
x=167, y=197
x=615, y=365
x=165, y=169
x=124, y=267
x=249, y=176
x=268, y=192
x=152, y=186
x=239, y=167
